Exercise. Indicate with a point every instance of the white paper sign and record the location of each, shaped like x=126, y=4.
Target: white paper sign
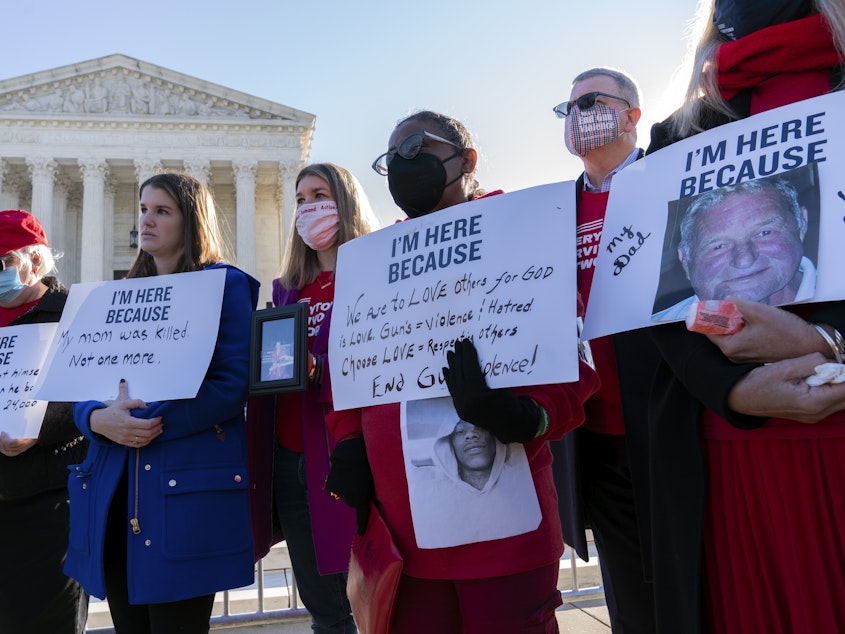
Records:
x=22, y=352
x=640, y=278
x=158, y=333
x=499, y=270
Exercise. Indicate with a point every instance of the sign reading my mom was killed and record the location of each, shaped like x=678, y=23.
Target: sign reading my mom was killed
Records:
x=22, y=352
x=498, y=270
x=754, y=208
x=158, y=333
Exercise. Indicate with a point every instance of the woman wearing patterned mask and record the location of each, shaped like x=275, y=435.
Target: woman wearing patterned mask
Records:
x=288, y=444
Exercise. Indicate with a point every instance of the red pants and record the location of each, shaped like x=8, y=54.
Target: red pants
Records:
x=523, y=603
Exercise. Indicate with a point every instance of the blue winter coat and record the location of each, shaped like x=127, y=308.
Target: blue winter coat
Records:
x=190, y=483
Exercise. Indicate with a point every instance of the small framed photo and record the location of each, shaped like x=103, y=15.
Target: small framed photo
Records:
x=278, y=357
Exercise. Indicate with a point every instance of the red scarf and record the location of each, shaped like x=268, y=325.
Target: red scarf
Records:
x=782, y=64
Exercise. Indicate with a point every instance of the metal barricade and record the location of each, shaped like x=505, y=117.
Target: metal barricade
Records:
x=273, y=597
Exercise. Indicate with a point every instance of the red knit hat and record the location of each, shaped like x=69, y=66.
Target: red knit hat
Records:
x=19, y=229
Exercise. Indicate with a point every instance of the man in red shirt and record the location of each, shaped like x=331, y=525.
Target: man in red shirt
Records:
x=601, y=469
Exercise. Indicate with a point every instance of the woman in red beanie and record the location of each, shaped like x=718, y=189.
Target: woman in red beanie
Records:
x=35, y=595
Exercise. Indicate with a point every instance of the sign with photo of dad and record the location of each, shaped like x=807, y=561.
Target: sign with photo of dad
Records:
x=22, y=352
x=157, y=332
x=752, y=209
x=498, y=270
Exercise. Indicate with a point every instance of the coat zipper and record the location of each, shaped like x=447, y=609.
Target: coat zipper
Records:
x=136, y=526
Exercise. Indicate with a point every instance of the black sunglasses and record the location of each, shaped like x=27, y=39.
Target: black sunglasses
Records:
x=408, y=149
x=584, y=102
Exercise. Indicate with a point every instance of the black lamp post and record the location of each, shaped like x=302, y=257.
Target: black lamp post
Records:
x=133, y=238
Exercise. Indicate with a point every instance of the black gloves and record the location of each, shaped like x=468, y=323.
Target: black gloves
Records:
x=350, y=478
x=508, y=417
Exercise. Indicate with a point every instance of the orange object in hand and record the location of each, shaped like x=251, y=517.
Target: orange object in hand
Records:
x=714, y=317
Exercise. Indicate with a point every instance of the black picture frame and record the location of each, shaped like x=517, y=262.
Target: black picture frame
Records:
x=278, y=354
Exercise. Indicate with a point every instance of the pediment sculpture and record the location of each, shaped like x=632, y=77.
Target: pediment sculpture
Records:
x=119, y=93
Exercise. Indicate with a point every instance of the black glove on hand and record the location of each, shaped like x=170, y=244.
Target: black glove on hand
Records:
x=508, y=417
x=350, y=478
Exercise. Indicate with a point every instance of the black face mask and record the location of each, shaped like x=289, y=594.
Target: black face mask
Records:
x=417, y=184
x=738, y=18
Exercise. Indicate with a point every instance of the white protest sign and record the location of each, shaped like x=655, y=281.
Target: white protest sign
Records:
x=640, y=279
x=499, y=270
x=22, y=352
x=158, y=333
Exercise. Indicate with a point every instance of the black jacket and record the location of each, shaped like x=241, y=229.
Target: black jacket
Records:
x=636, y=360
x=43, y=467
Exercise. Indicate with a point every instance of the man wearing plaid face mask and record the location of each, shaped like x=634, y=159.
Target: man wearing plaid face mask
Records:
x=601, y=468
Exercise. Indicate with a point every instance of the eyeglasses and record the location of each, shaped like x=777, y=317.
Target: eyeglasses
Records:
x=408, y=149
x=584, y=102
x=3, y=265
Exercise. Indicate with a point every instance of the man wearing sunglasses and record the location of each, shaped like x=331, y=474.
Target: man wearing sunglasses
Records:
x=601, y=468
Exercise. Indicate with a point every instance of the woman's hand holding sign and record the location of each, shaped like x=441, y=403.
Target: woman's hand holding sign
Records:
x=770, y=334
x=508, y=417
x=116, y=422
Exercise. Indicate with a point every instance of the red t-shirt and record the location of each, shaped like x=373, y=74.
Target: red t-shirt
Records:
x=319, y=296
x=604, y=408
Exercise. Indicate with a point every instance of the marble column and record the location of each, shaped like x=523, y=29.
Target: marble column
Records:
x=146, y=167
x=287, y=176
x=245, y=172
x=94, y=172
x=59, y=240
x=73, y=239
x=3, y=171
x=42, y=171
x=12, y=186
x=109, y=192
x=199, y=169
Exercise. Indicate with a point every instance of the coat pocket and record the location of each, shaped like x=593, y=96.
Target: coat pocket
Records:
x=206, y=511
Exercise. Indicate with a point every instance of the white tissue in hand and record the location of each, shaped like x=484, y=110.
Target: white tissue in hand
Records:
x=827, y=373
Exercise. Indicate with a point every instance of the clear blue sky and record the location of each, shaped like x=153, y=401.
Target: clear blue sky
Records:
x=498, y=66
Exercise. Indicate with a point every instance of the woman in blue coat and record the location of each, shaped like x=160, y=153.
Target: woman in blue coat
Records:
x=160, y=508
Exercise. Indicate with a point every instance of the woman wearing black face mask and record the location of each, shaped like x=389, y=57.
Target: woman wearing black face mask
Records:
x=749, y=469
x=430, y=165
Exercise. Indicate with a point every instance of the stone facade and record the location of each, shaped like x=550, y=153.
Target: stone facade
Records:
x=76, y=141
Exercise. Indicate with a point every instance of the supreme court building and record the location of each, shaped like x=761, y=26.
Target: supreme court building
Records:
x=76, y=142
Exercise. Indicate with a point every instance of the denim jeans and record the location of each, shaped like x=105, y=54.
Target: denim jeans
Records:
x=324, y=596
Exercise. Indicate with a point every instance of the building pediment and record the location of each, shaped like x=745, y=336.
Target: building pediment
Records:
x=121, y=86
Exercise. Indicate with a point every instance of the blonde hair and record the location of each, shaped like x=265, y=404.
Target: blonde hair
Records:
x=202, y=238
x=355, y=218
x=703, y=91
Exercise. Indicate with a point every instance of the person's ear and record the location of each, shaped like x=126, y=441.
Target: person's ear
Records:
x=804, y=220
x=631, y=119
x=34, y=262
x=683, y=260
x=469, y=161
